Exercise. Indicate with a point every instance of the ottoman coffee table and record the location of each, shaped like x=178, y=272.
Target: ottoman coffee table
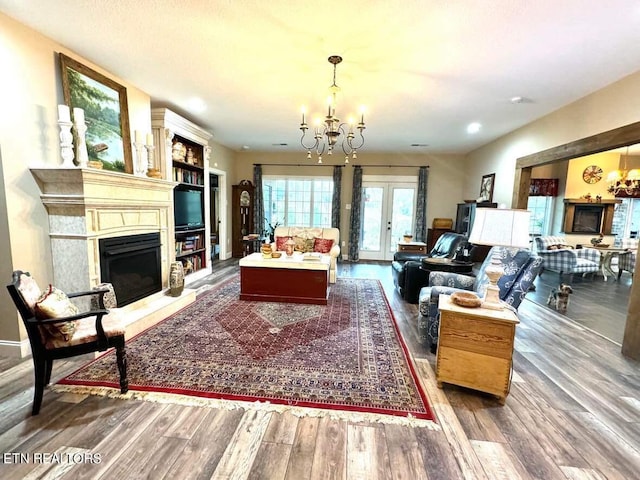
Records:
x=285, y=279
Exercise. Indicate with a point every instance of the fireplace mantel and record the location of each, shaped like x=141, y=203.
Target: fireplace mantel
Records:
x=85, y=205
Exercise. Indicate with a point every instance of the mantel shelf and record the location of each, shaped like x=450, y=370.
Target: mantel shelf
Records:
x=604, y=201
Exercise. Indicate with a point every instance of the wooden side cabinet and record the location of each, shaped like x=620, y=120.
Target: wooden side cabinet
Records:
x=475, y=348
x=412, y=247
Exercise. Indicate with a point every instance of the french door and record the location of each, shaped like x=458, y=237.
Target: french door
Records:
x=388, y=213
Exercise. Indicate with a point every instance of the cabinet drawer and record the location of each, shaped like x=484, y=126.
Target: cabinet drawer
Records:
x=479, y=335
x=473, y=370
x=412, y=248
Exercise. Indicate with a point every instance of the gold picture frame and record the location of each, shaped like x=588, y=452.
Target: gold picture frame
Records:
x=106, y=112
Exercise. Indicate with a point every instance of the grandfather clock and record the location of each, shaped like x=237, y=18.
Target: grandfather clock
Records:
x=242, y=215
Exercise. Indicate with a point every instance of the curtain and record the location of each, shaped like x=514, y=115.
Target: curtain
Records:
x=258, y=202
x=354, y=222
x=421, y=205
x=543, y=187
x=335, y=201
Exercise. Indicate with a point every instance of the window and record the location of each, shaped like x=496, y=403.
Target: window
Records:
x=540, y=222
x=626, y=218
x=298, y=201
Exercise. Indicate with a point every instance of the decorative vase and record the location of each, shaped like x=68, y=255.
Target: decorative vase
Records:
x=266, y=250
x=289, y=247
x=176, y=279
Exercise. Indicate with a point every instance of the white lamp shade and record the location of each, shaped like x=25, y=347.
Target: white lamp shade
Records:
x=500, y=227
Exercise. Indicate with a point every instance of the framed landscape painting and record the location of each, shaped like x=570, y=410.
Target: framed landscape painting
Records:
x=106, y=113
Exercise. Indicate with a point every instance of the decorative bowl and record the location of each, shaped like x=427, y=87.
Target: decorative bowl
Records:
x=466, y=299
x=276, y=254
x=407, y=238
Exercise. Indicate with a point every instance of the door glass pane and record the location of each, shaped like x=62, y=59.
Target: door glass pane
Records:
x=402, y=215
x=371, y=218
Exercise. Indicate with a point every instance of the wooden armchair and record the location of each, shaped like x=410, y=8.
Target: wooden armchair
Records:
x=57, y=330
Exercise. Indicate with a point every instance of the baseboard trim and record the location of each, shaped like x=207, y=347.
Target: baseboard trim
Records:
x=14, y=349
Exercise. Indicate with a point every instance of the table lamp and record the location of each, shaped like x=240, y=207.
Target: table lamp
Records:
x=499, y=227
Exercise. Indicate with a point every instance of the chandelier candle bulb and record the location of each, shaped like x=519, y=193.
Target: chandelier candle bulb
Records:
x=149, y=138
x=138, y=136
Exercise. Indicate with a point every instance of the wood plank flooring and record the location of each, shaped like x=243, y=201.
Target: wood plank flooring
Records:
x=573, y=413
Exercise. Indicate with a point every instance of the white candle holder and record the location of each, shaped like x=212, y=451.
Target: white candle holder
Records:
x=66, y=143
x=140, y=167
x=150, y=170
x=81, y=144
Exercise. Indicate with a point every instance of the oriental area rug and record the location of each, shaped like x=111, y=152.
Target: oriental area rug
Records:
x=345, y=359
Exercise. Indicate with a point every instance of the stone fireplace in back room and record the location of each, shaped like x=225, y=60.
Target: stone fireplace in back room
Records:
x=97, y=223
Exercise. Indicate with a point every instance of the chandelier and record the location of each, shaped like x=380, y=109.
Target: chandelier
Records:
x=623, y=182
x=327, y=134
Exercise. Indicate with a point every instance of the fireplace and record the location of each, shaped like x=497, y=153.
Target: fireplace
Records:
x=132, y=264
x=587, y=218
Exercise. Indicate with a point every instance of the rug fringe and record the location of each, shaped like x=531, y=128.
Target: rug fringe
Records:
x=299, y=412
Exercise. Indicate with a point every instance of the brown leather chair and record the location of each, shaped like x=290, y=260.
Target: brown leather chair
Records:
x=86, y=332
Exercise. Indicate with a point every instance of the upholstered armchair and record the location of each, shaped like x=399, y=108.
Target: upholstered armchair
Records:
x=408, y=278
x=627, y=259
x=57, y=329
x=559, y=257
x=521, y=267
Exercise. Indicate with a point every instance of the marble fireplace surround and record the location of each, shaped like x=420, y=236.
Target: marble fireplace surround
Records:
x=85, y=205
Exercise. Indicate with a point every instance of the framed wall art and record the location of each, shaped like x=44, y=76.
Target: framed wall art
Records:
x=106, y=112
x=486, y=188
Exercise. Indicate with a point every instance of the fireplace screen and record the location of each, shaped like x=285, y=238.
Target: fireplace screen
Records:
x=132, y=265
x=587, y=218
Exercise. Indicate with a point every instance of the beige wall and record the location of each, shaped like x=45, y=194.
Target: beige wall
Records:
x=444, y=188
x=603, y=110
x=29, y=137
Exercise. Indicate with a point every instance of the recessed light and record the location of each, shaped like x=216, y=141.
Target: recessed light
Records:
x=473, y=127
x=246, y=147
x=280, y=144
x=419, y=144
x=519, y=99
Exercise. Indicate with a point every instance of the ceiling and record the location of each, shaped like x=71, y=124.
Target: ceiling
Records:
x=424, y=69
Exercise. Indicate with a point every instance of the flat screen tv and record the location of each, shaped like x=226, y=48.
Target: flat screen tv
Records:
x=187, y=208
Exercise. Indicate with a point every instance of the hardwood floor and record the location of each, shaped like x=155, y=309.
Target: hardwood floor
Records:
x=573, y=413
x=595, y=303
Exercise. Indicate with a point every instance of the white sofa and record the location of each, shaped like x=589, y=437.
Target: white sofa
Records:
x=310, y=233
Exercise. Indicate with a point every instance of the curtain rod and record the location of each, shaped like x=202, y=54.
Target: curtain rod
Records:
x=328, y=165
x=391, y=166
x=295, y=165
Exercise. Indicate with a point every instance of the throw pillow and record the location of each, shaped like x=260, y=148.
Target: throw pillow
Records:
x=322, y=245
x=304, y=245
x=280, y=243
x=109, y=297
x=29, y=290
x=54, y=303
